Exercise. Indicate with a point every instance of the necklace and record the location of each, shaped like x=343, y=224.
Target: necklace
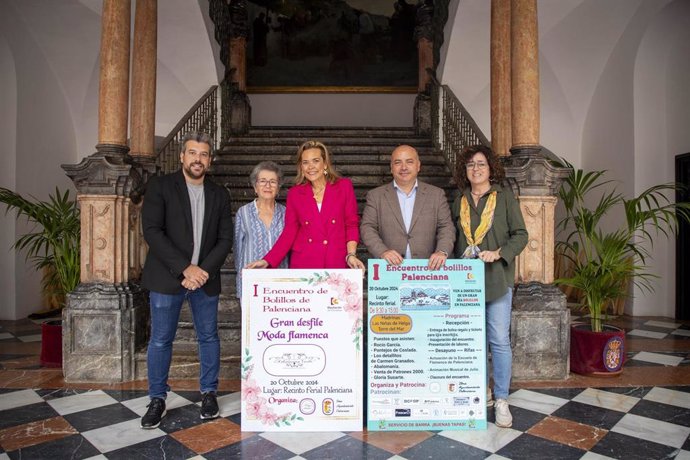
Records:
x=478, y=194
x=318, y=192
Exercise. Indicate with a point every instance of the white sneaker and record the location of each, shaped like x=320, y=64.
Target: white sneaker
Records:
x=502, y=412
x=489, y=398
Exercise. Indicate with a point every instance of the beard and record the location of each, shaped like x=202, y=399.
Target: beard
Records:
x=194, y=175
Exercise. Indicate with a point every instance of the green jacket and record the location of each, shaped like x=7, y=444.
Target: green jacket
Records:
x=507, y=232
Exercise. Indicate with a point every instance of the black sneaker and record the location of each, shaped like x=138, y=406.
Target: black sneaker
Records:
x=152, y=417
x=209, y=406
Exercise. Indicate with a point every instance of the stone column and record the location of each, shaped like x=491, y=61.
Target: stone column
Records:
x=524, y=45
x=425, y=54
x=113, y=89
x=143, y=117
x=536, y=194
x=540, y=319
x=424, y=36
x=105, y=321
x=238, y=62
x=236, y=111
x=500, y=77
x=143, y=123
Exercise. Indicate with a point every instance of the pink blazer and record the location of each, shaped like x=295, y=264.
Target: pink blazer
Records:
x=317, y=239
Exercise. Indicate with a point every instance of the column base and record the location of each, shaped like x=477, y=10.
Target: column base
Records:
x=525, y=150
x=112, y=149
x=103, y=326
x=540, y=333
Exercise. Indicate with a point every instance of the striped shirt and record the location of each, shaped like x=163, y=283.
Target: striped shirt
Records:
x=253, y=240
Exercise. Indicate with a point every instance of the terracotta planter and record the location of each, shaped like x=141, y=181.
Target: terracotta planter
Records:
x=596, y=353
x=51, y=344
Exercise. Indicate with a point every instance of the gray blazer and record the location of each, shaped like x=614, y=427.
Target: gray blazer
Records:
x=431, y=228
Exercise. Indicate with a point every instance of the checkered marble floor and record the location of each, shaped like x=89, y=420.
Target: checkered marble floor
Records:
x=563, y=423
x=643, y=414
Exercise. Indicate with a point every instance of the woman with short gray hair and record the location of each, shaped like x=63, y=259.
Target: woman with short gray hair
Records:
x=259, y=223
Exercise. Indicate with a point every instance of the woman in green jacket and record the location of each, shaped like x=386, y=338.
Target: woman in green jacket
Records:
x=491, y=228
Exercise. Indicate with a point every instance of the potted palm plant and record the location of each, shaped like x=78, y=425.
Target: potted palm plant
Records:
x=604, y=261
x=52, y=246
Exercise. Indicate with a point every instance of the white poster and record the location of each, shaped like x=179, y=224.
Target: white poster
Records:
x=427, y=352
x=302, y=363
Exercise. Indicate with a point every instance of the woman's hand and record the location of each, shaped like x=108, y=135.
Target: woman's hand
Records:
x=261, y=263
x=490, y=256
x=354, y=262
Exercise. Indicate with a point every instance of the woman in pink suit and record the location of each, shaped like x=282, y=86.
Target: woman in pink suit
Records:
x=321, y=222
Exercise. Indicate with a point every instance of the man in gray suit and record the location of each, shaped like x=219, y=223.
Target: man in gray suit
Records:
x=408, y=219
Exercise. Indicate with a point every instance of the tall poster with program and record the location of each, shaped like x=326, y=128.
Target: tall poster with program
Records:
x=302, y=361
x=426, y=346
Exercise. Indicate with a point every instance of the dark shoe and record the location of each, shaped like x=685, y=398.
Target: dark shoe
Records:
x=152, y=417
x=209, y=406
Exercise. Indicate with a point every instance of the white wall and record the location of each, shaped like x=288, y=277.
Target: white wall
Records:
x=570, y=62
x=575, y=51
x=465, y=58
x=188, y=60
x=662, y=111
x=44, y=138
x=8, y=132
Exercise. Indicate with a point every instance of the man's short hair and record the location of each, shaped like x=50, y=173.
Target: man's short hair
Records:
x=197, y=136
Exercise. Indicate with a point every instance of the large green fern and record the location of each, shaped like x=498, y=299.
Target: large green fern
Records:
x=604, y=263
x=54, y=240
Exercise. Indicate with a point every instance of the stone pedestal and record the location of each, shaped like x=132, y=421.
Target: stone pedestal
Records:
x=422, y=114
x=536, y=262
x=106, y=318
x=103, y=326
x=535, y=179
x=540, y=333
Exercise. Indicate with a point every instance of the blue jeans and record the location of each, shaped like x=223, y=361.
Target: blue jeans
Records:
x=165, y=314
x=498, y=336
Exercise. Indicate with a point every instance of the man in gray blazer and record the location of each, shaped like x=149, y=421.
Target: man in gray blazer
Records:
x=407, y=219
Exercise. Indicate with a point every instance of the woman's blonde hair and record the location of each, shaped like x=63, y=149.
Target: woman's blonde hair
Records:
x=330, y=173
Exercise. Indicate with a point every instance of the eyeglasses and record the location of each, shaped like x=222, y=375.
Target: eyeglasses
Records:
x=476, y=165
x=263, y=182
